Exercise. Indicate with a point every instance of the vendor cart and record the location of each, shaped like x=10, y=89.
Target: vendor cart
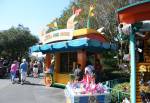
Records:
x=72, y=97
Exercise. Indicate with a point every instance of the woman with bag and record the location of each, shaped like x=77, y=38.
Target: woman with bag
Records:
x=13, y=70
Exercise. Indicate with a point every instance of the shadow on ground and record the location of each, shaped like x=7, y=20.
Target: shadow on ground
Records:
x=29, y=83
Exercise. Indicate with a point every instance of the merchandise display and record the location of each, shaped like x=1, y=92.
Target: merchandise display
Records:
x=80, y=92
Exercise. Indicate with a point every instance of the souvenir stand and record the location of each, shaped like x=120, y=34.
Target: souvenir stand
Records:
x=69, y=47
x=135, y=21
x=88, y=42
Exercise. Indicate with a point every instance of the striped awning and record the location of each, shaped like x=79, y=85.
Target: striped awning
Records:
x=74, y=45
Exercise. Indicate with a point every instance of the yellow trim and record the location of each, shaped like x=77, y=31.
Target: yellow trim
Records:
x=84, y=31
x=62, y=78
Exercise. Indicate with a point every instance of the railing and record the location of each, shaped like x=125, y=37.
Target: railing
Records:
x=112, y=83
x=120, y=94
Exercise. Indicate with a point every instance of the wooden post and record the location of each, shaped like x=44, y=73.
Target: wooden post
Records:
x=48, y=60
x=81, y=58
x=57, y=67
x=57, y=62
x=98, y=56
x=47, y=78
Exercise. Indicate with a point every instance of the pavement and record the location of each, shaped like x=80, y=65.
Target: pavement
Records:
x=31, y=92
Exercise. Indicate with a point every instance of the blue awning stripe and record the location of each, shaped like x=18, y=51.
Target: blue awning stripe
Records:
x=59, y=45
x=94, y=43
x=35, y=48
x=78, y=42
x=106, y=45
x=114, y=47
x=74, y=45
x=45, y=47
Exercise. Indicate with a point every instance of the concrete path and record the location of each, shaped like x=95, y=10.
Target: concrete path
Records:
x=31, y=92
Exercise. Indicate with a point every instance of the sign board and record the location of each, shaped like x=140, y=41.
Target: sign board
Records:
x=143, y=67
x=63, y=34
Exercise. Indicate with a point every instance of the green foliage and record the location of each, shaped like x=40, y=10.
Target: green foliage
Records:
x=110, y=62
x=109, y=58
x=113, y=73
x=106, y=16
x=15, y=42
x=109, y=54
x=123, y=90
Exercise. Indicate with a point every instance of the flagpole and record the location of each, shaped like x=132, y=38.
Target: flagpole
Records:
x=88, y=22
x=90, y=15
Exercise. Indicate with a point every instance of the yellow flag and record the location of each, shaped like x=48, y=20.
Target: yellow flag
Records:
x=91, y=11
x=55, y=24
x=52, y=25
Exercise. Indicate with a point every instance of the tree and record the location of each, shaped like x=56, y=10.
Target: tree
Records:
x=15, y=42
x=106, y=16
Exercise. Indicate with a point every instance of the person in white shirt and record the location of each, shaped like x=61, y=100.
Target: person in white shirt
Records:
x=89, y=68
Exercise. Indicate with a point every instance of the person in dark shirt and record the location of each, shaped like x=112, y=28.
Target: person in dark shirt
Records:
x=98, y=71
x=78, y=73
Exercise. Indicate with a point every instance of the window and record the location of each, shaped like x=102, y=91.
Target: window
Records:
x=66, y=61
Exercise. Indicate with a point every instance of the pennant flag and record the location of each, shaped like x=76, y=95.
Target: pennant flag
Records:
x=91, y=11
x=53, y=24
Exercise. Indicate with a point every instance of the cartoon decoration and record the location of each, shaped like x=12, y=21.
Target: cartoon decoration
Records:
x=71, y=23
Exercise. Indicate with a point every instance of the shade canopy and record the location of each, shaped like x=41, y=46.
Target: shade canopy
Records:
x=35, y=48
x=133, y=13
x=74, y=45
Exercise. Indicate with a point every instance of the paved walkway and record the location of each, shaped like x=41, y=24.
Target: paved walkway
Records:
x=31, y=92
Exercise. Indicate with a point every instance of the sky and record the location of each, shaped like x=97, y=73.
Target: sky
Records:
x=35, y=14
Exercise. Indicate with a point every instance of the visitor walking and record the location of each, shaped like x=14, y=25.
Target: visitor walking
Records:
x=35, y=69
x=13, y=69
x=30, y=70
x=23, y=70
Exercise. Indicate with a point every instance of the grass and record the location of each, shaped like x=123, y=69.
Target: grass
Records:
x=59, y=85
